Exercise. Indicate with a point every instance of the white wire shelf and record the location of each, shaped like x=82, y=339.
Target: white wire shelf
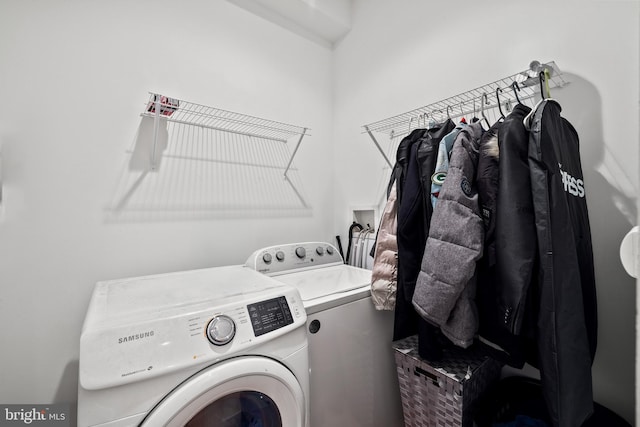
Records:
x=462, y=103
x=208, y=159
x=190, y=113
x=518, y=87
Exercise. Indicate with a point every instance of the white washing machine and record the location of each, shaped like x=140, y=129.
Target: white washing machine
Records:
x=353, y=372
x=223, y=347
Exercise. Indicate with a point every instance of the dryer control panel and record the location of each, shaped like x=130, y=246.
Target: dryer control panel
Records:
x=281, y=259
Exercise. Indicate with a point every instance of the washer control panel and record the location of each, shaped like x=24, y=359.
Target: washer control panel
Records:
x=281, y=259
x=194, y=334
x=269, y=315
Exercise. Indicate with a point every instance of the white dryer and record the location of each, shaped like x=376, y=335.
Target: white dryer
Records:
x=220, y=347
x=353, y=372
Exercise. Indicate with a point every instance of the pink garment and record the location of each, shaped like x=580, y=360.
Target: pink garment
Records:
x=384, y=276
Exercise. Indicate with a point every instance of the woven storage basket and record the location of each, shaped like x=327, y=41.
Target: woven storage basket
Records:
x=442, y=393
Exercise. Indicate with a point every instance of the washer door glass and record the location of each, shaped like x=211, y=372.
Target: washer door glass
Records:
x=241, y=409
x=249, y=391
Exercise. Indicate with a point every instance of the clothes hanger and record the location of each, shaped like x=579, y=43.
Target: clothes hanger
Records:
x=498, y=91
x=544, y=78
x=462, y=118
x=475, y=115
x=484, y=99
x=516, y=89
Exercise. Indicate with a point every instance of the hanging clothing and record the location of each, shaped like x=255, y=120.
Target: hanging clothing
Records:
x=516, y=247
x=416, y=158
x=445, y=289
x=442, y=162
x=384, y=274
x=405, y=319
x=501, y=248
x=567, y=317
x=487, y=178
x=507, y=268
x=396, y=185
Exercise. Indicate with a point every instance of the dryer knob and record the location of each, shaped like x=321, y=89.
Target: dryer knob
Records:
x=280, y=256
x=221, y=330
x=329, y=250
x=320, y=250
x=267, y=258
x=301, y=252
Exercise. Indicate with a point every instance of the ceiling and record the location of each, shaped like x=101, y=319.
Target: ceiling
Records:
x=322, y=21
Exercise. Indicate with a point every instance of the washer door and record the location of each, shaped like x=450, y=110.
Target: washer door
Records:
x=242, y=392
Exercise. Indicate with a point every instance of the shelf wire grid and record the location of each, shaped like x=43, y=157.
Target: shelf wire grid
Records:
x=189, y=160
x=190, y=113
x=470, y=101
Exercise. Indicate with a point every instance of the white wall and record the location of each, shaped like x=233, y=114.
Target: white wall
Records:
x=74, y=78
x=402, y=55
x=74, y=75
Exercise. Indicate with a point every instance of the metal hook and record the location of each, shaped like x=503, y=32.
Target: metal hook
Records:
x=516, y=89
x=543, y=77
x=498, y=91
x=448, y=116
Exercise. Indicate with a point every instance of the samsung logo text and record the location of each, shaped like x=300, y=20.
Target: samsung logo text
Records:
x=135, y=337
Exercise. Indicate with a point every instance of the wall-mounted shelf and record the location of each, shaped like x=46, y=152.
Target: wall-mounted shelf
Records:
x=189, y=113
x=192, y=160
x=526, y=84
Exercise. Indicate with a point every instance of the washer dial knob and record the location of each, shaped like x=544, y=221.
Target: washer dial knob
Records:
x=280, y=256
x=329, y=250
x=221, y=330
x=267, y=258
x=301, y=252
x=320, y=250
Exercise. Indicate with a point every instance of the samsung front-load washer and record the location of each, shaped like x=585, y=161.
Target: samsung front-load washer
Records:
x=352, y=368
x=223, y=347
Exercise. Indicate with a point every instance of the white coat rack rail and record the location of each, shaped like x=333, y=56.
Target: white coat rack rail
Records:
x=509, y=90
